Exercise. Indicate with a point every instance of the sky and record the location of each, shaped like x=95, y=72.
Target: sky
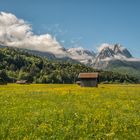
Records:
x=85, y=23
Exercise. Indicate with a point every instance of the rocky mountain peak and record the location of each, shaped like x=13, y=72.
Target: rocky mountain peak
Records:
x=113, y=51
x=119, y=50
x=106, y=52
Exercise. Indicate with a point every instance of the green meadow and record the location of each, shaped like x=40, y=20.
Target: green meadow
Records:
x=69, y=112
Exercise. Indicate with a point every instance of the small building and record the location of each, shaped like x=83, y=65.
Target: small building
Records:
x=88, y=79
x=78, y=83
x=21, y=82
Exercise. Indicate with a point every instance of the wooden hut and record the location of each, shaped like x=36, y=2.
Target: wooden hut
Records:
x=78, y=83
x=88, y=79
x=21, y=82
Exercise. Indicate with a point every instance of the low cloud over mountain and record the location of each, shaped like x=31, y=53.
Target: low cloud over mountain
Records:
x=18, y=33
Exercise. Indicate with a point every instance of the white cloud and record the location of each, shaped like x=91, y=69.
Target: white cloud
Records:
x=104, y=45
x=16, y=32
x=111, y=46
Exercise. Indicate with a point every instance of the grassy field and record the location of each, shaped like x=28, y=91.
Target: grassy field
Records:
x=41, y=112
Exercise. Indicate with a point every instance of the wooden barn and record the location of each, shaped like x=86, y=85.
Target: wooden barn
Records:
x=88, y=79
x=21, y=82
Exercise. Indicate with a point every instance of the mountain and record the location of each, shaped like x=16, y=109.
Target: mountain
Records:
x=74, y=55
x=117, y=58
x=77, y=55
x=82, y=55
x=111, y=53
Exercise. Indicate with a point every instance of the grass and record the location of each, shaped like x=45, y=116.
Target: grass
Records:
x=67, y=112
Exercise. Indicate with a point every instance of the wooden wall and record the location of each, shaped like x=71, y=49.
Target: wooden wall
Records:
x=89, y=82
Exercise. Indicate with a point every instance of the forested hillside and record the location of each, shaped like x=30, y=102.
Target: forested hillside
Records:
x=17, y=64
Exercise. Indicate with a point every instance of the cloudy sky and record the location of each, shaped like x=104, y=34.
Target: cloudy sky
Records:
x=70, y=23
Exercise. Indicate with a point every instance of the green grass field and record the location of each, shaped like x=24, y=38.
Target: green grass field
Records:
x=57, y=112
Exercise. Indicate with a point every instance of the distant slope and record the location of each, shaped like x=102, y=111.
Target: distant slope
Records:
x=125, y=67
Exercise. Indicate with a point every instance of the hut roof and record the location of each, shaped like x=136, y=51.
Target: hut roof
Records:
x=78, y=82
x=88, y=75
x=21, y=82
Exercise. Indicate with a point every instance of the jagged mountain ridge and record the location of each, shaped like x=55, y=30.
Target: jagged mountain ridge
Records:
x=117, y=58
x=112, y=53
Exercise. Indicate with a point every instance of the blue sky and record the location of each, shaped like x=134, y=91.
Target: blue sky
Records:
x=88, y=23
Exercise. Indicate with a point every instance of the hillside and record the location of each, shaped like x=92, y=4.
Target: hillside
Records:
x=17, y=64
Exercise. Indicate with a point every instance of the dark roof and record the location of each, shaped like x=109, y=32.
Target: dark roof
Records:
x=88, y=75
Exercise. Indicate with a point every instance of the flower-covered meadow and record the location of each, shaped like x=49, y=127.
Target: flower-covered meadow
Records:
x=65, y=112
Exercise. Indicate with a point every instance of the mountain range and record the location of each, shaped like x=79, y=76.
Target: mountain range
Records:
x=109, y=57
